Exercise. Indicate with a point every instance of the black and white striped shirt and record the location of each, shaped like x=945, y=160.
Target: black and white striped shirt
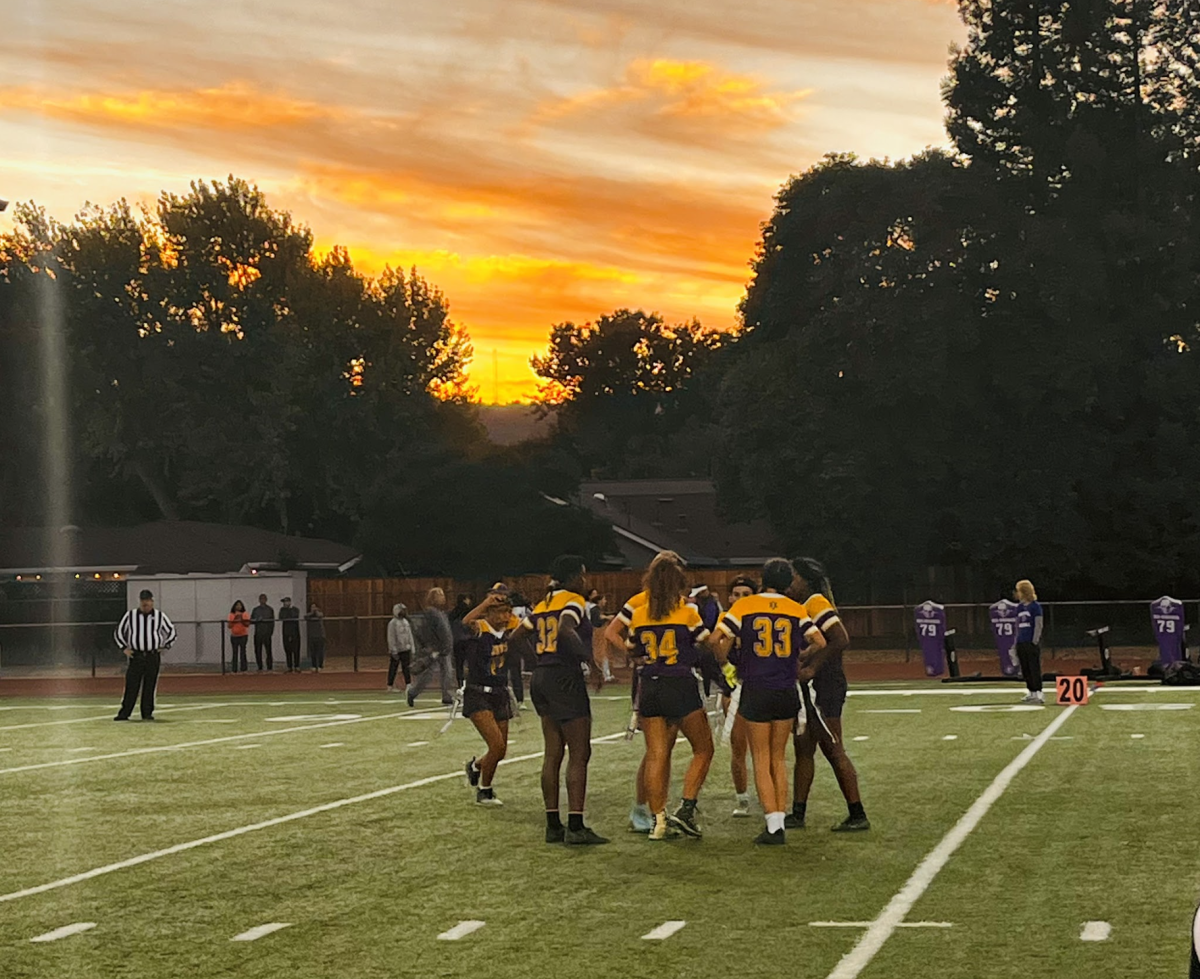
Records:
x=144, y=632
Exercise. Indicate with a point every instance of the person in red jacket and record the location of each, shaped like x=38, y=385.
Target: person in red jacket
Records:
x=239, y=632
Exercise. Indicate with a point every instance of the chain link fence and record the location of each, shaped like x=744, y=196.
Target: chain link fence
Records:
x=62, y=640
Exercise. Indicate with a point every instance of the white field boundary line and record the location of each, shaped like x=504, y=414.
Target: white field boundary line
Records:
x=882, y=928
x=255, y=827
x=1107, y=688
x=103, y=717
x=153, y=749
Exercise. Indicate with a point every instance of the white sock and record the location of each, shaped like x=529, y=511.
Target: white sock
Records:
x=774, y=821
x=486, y=788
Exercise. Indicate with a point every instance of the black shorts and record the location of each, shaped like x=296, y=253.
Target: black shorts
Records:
x=672, y=697
x=760, y=705
x=498, y=702
x=559, y=692
x=830, y=686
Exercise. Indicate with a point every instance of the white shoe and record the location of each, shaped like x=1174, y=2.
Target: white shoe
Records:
x=1029, y=698
x=1039, y=698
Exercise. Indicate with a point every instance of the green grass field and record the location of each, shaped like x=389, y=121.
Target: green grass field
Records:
x=1099, y=825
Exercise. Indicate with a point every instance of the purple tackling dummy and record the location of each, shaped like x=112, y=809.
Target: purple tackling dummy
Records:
x=1167, y=614
x=931, y=632
x=1004, y=627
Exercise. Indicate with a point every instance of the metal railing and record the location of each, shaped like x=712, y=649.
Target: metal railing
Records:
x=202, y=644
x=354, y=640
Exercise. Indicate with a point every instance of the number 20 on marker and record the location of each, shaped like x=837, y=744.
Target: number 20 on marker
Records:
x=1071, y=690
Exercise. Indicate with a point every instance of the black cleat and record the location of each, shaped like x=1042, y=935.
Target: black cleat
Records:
x=853, y=824
x=120, y=717
x=583, y=837
x=793, y=821
x=684, y=820
x=555, y=834
x=472, y=774
x=767, y=838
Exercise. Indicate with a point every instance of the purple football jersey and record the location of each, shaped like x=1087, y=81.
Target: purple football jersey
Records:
x=931, y=633
x=1167, y=615
x=1004, y=628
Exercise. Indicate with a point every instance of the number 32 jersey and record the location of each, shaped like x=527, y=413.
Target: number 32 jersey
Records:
x=771, y=630
x=544, y=621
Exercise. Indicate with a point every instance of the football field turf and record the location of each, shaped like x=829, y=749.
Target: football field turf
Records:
x=996, y=838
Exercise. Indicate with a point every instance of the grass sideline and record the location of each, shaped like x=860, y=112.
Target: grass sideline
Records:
x=1089, y=830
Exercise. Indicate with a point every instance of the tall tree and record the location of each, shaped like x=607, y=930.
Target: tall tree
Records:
x=626, y=387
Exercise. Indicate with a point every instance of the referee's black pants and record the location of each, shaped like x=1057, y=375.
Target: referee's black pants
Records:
x=1030, y=656
x=141, y=674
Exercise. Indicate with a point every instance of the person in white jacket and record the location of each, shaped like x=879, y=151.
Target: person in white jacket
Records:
x=400, y=647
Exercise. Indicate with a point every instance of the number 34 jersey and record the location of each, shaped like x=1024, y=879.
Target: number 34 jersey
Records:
x=772, y=630
x=668, y=643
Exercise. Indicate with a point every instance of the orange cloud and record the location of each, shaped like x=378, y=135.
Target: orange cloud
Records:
x=682, y=94
x=231, y=107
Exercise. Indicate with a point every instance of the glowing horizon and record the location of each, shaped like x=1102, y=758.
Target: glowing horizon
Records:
x=538, y=161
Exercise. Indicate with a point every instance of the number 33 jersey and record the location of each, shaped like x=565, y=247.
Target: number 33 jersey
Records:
x=771, y=630
x=669, y=643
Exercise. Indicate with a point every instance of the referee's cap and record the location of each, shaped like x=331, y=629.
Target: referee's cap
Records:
x=146, y=594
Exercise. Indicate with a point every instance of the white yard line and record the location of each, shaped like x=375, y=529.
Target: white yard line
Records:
x=334, y=744
x=1095, y=931
x=66, y=931
x=665, y=930
x=461, y=930
x=255, y=933
x=949, y=737
x=254, y=827
x=100, y=717
x=882, y=928
x=867, y=924
x=196, y=744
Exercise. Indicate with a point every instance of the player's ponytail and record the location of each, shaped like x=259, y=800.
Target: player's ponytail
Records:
x=777, y=575
x=813, y=571
x=666, y=583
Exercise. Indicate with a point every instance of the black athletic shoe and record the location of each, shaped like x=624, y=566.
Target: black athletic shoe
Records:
x=473, y=774
x=684, y=820
x=555, y=834
x=767, y=838
x=583, y=837
x=853, y=824
x=120, y=717
x=447, y=703
x=793, y=821
x=411, y=699
x=150, y=718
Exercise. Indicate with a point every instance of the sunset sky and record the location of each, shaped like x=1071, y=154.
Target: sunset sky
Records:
x=539, y=160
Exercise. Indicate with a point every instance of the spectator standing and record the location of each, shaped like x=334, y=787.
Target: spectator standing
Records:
x=438, y=648
x=289, y=627
x=142, y=634
x=263, y=618
x=1029, y=641
x=316, y=637
x=400, y=646
x=239, y=631
x=594, y=608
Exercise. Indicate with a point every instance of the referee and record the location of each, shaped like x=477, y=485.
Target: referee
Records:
x=141, y=634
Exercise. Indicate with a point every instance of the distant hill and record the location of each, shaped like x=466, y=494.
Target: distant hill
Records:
x=512, y=424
